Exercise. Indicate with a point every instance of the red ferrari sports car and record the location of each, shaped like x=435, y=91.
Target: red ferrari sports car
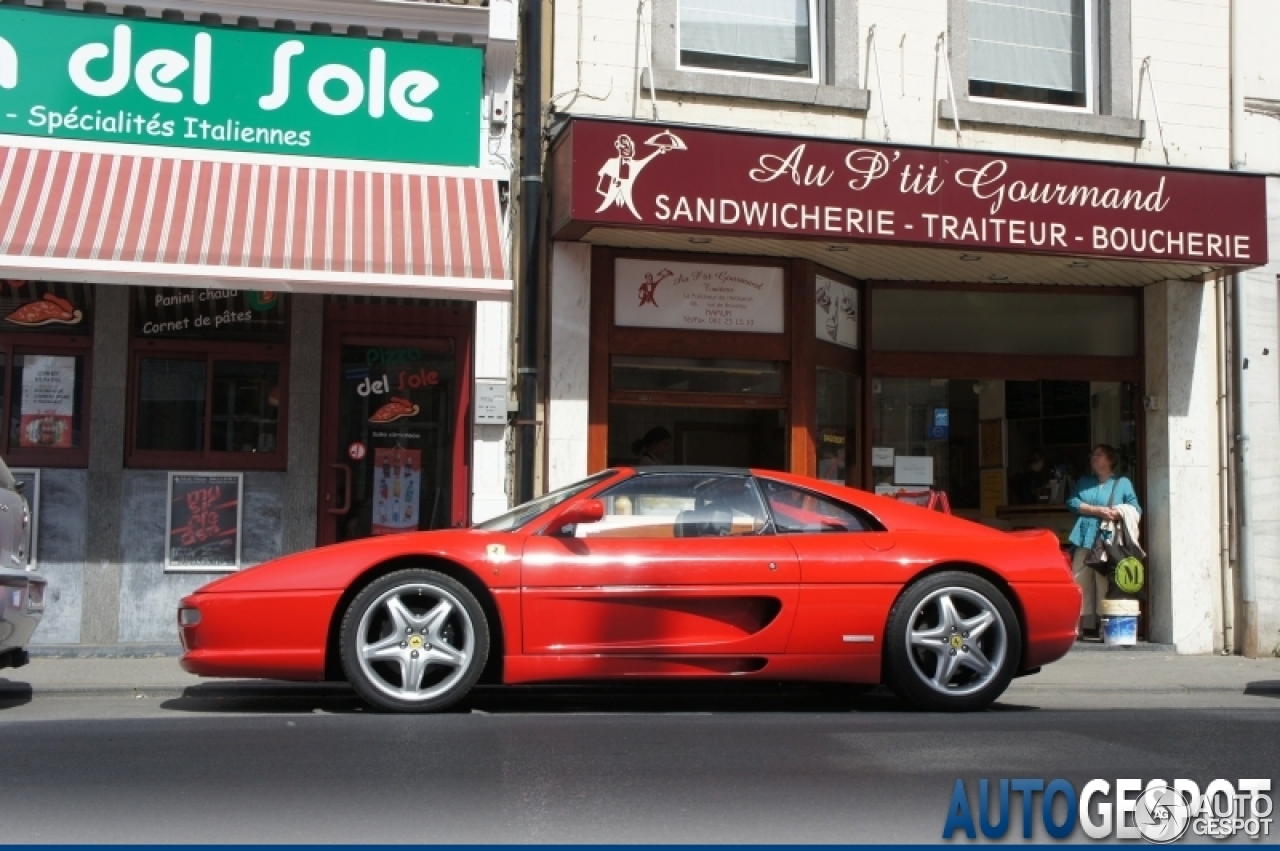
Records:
x=659, y=572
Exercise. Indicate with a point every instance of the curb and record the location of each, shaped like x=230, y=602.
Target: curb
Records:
x=201, y=691
x=104, y=651
x=270, y=690
x=1263, y=689
x=1140, y=647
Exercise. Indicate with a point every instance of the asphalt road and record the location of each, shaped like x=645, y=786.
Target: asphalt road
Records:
x=572, y=765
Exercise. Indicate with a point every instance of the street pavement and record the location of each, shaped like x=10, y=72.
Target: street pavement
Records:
x=135, y=750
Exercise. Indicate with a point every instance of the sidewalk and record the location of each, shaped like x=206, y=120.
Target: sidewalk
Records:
x=1111, y=676
x=157, y=676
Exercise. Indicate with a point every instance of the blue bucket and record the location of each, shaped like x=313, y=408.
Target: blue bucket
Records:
x=1119, y=630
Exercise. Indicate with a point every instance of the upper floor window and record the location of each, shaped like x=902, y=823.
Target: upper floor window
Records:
x=772, y=37
x=1035, y=51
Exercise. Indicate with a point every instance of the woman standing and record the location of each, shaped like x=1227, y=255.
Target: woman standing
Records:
x=1095, y=499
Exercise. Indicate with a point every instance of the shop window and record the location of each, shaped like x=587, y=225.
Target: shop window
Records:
x=213, y=409
x=208, y=373
x=922, y=320
x=44, y=372
x=924, y=434
x=696, y=375
x=703, y=436
x=771, y=37
x=836, y=433
x=171, y=405
x=1033, y=51
x=1004, y=451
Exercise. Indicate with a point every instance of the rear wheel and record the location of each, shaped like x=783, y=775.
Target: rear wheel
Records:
x=953, y=643
x=414, y=641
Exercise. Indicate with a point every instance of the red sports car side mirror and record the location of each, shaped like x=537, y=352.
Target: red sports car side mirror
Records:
x=585, y=511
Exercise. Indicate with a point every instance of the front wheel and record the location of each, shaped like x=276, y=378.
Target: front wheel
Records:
x=414, y=641
x=953, y=643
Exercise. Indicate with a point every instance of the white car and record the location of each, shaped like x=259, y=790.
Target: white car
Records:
x=21, y=589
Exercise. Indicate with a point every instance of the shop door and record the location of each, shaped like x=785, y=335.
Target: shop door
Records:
x=394, y=453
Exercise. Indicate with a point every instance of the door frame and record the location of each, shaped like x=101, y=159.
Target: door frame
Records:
x=390, y=324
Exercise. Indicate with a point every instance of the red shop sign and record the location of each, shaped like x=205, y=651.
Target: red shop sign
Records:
x=612, y=173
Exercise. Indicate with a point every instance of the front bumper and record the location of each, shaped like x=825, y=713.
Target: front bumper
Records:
x=21, y=607
x=274, y=634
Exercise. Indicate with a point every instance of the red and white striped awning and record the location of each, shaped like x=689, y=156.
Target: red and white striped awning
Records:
x=74, y=211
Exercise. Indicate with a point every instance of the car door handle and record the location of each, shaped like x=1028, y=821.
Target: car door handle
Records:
x=345, y=472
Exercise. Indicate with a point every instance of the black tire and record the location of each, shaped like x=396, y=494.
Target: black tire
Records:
x=447, y=646
x=942, y=668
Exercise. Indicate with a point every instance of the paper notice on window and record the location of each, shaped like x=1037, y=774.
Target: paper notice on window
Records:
x=991, y=491
x=48, y=401
x=397, y=490
x=913, y=470
x=882, y=456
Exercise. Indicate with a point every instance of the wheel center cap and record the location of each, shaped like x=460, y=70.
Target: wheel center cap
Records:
x=416, y=642
x=957, y=642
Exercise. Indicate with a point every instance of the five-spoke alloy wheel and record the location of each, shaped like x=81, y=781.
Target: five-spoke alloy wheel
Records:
x=952, y=642
x=414, y=641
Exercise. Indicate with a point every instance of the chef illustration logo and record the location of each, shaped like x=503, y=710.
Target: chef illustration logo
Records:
x=618, y=174
x=648, y=290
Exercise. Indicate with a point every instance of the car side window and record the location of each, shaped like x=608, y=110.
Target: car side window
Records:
x=679, y=505
x=797, y=511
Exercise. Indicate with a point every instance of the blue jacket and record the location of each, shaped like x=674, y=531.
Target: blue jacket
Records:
x=1089, y=492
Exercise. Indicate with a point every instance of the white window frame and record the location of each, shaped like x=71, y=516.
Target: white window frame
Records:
x=1090, y=72
x=817, y=52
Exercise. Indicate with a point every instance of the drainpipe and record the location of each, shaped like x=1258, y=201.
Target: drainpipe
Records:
x=1224, y=470
x=530, y=277
x=1240, y=363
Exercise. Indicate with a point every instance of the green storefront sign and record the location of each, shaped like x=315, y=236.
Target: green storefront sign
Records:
x=78, y=76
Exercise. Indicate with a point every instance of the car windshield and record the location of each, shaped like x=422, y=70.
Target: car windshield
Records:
x=522, y=514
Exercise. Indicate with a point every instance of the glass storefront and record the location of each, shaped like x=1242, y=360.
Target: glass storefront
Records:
x=836, y=431
x=715, y=437
x=991, y=395
x=1004, y=452
x=996, y=397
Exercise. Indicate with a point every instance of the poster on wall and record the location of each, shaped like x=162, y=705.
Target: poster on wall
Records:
x=836, y=317
x=397, y=490
x=204, y=520
x=698, y=296
x=30, y=479
x=48, y=401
